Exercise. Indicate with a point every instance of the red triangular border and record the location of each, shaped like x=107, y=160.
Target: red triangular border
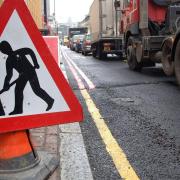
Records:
x=31, y=121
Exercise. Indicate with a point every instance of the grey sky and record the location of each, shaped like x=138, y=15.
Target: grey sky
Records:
x=75, y=9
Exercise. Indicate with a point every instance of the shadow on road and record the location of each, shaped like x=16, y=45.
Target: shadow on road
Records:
x=153, y=71
x=112, y=58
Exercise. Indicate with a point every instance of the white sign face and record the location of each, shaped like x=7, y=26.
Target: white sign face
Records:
x=45, y=98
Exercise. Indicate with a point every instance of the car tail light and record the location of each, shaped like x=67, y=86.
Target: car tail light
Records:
x=88, y=43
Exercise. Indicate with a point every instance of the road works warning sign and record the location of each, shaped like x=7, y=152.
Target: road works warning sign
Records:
x=33, y=90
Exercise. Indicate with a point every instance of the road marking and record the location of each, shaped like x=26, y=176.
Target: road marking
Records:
x=78, y=79
x=74, y=162
x=88, y=81
x=119, y=158
x=63, y=70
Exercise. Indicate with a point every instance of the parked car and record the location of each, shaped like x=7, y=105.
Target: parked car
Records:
x=77, y=42
x=86, y=45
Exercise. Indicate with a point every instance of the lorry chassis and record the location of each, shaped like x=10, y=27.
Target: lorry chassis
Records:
x=105, y=46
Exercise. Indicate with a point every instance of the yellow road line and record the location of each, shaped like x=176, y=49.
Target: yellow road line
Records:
x=118, y=156
x=120, y=160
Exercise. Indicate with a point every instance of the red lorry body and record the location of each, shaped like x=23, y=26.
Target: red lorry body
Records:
x=156, y=13
x=131, y=13
x=151, y=30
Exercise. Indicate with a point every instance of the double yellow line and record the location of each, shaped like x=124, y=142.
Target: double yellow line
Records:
x=115, y=151
x=119, y=158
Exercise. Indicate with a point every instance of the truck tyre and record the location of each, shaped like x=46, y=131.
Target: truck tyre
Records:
x=99, y=53
x=85, y=53
x=167, y=63
x=177, y=62
x=94, y=54
x=131, y=56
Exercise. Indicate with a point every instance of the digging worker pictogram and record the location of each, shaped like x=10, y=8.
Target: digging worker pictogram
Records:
x=27, y=73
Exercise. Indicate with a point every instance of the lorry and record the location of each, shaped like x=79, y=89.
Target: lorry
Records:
x=103, y=23
x=75, y=31
x=151, y=30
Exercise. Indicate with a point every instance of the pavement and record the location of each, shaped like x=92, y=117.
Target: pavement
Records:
x=47, y=139
x=65, y=142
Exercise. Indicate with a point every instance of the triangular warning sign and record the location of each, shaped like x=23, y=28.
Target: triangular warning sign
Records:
x=34, y=92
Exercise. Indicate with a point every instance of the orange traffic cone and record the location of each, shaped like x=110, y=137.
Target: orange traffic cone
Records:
x=16, y=151
x=18, y=160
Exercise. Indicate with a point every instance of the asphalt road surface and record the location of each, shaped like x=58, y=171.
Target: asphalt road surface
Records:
x=131, y=126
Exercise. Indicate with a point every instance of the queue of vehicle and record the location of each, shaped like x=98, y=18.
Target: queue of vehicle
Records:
x=146, y=32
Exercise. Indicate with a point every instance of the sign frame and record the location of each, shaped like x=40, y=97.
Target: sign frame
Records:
x=22, y=122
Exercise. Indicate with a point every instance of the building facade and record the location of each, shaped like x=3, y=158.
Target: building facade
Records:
x=1, y=1
x=36, y=9
x=85, y=23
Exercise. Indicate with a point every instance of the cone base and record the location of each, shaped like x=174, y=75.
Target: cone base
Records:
x=41, y=171
x=19, y=164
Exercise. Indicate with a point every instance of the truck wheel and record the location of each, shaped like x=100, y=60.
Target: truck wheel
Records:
x=94, y=54
x=167, y=63
x=99, y=54
x=131, y=57
x=177, y=62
